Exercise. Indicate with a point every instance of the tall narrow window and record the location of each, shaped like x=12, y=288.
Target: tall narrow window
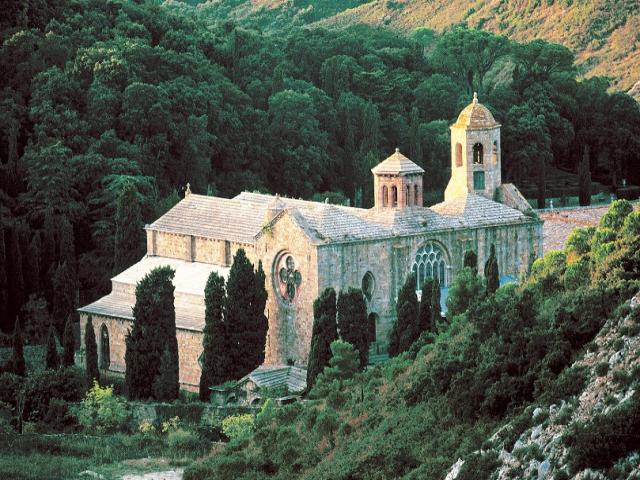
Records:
x=478, y=180
x=477, y=154
x=429, y=263
x=394, y=196
x=407, y=196
x=415, y=196
x=385, y=196
x=105, y=355
x=458, y=155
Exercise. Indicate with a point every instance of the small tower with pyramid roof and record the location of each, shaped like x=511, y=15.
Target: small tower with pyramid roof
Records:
x=397, y=183
x=475, y=153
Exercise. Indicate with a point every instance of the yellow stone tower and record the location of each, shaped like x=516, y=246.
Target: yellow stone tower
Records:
x=475, y=153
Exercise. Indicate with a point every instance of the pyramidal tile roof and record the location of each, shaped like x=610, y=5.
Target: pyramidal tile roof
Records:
x=396, y=164
x=475, y=116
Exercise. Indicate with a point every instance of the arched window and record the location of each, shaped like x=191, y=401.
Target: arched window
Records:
x=371, y=326
x=385, y=196
x=105, y=355
x=430, y=262
x=368, y=285
x=458, y=155
x=415, y=196
x=477, y=154
x=407, y=196
x=394, y=196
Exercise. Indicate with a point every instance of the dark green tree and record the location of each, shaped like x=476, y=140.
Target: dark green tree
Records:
x=246, y=323
x=323, y=333
x=15, y=290
x=52, y=360
x=5, y=322
x=277, y=81
x=436, y=308
x=66, y=243
x=406, y=328
x=465, y=289
x=470, y=260
x=64, y=299
x=415, y=139
x=68, y=344
x=352, y=321
x=491, y=272
x=584, y=179
x=153, y=331
x=129, y=239
x=215, y=343
x=32, y=266
x=426, y=315
x=166, y=384
x=17, y=363
x=91, y=353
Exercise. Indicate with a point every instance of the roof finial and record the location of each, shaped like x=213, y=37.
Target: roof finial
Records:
x=475, y=97
x=397, y=150
x=187, y=191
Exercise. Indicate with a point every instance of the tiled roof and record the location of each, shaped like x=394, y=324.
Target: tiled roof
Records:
x=473, y=210
x=189, y=282
x=475, y=116
x=189, y=316
x=295, y=378
x=396, y=164
x=213, y=217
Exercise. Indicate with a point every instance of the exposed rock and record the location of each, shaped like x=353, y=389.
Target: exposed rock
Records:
x=543, y=468
x=90, y=474
x=455, y=470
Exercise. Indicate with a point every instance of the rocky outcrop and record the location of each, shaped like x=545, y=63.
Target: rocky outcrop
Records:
x=541, y=451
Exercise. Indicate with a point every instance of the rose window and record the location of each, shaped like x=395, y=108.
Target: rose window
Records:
x=288, y=277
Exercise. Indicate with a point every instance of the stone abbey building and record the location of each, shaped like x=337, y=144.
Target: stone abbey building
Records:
x=307, y=246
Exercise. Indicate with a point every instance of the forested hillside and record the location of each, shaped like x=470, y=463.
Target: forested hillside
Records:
x=603, y=33
x=102, y=96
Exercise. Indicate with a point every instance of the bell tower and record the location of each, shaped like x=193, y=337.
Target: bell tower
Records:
x=397, y=183
x=475, y=153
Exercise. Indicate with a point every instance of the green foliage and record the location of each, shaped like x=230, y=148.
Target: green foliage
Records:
x=406, y=328
x=102, y=411
x=129, y=236
x=616, y=215
x=491, y=272
x=52, y=358
x=16, y=363
x=182, y=442
x=425, y=315
x=479, y=465
x=244, y=315
x=64, y=291
x=15, y=286
x=91, y=353
x=352, y=322
x=584, y=178
x=64, y=384
x=237, y=427
x=153, y=332
x=68, y=345
x=166, y=383
x=579, y=241
x=344, y=364
x=324, y=332
x=466, y=288
x=215, y=338
x=5, y=318
x=616, y=433
x=470, y=260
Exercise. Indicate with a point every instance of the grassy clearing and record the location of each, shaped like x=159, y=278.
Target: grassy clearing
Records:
x=60, y=457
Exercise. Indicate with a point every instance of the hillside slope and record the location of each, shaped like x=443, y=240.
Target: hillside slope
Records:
x=603, y=33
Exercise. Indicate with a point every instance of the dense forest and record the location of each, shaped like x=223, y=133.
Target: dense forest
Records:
x=108, y=109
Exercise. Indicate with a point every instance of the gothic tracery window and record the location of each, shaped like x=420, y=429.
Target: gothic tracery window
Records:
x=288, y=277
x=430, y=262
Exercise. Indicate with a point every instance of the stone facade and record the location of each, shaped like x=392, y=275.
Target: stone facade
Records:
x=307, y=246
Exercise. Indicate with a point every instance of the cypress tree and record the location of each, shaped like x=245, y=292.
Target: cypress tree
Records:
x=32, y=266
x=129, y=239
x=166, y=384
x=215, y=346
x=48, y=257
x=5, y=323
x=491, y=272
x=436, y=309
x=17, y=362
x=66, y=243
x=470, y=260
x=154, y=329
x=64, y=295
x=91, y=353
x=352, y=321
x=425, y=315
x=68, y=345
x=323, y=333
x=15, y=278
x=584, y=178
x=415, y=141
x=52, y=358
x=406, y=329
x=247, y=326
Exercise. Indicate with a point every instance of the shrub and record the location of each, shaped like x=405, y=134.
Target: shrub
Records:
x=59, y=417
x=238, y=426
x=602, y=369
x=102, y=411
x=10, y=385
x=183, y=441
x=65, y=384
x=479, y=465
x=622, y=378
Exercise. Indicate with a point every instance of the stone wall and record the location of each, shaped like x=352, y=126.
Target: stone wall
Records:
x=189, y=348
